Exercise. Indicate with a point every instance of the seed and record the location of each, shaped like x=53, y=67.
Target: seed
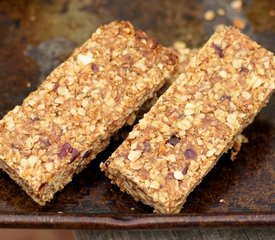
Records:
x=134, y=155
x=62, y=91
x=84, y=102
x=223, y=74
x=211, y=152
x=49, y=86
x=84, y=59
x=154, y=185
x=49, y=166
x=178, y=175
x=246, y=95
x=32, y=160
x=237, y=63
x=59, y=100
x=189, y=109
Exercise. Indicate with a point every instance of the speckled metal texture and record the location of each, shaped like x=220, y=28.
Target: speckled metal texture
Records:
x=235, y=193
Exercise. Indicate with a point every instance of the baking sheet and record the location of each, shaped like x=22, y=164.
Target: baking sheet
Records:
x=35, y=36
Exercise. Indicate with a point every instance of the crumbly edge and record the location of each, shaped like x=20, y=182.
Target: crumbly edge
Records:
x=42, y=172
x=127, y=160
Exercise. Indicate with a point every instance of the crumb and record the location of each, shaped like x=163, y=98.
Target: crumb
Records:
x=132, y=209
x=209, y=15
x=222, y=200
x=239, y=140
x=237, y=5
x=28, y=84
x=238, y=23
x=221, y=12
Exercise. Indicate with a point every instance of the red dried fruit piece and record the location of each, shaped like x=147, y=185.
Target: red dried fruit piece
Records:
x=75, y=154
x=244, y=70
x=42, y=186
x=173, y=58
x=184, y=170
x=106, y=164
x=87, y=154
x=140, y=35
x=45, y=142
x=147, y=146
x=152, y=43
x=218, y=50
x=35, y=118
x=14, y=146
x=56, y=85
x=117, y=98
x=225, y=97
x=174, y=140
x=190, y=153
x=64, y=150
x=94, y=67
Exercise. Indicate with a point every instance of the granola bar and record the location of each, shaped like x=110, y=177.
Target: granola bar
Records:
x=70, y=118
x=197, y=119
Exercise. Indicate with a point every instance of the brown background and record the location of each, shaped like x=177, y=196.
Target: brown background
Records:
x=37, y=35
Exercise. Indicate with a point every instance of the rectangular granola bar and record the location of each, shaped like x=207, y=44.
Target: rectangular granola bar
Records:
x=183, y=135
x=69, y=119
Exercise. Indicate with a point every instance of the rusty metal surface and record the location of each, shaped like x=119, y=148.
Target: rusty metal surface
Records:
x=36, y=35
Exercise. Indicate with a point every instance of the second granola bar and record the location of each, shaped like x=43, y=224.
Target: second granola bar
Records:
x=195, y=121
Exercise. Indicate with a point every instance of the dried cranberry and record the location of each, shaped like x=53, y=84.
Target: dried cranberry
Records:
x=218, y=50
x=75, y=154
x=174, y=140
x=106, y=164
x=190, y=153
x=14, y=146
x=45, y=142
x=173, y=58
x=147, y=146
x=140, y=35
x=42, y=186
x=95, y=68
x=185, y=169
x=225, y=97
x=64, y=150
x=35, y=118
x=244, y=70
x=87, y=154
x=56, y=85
x=117, y=98
x=152, y=43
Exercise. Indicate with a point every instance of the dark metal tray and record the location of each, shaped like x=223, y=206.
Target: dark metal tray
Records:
x=37, y=35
